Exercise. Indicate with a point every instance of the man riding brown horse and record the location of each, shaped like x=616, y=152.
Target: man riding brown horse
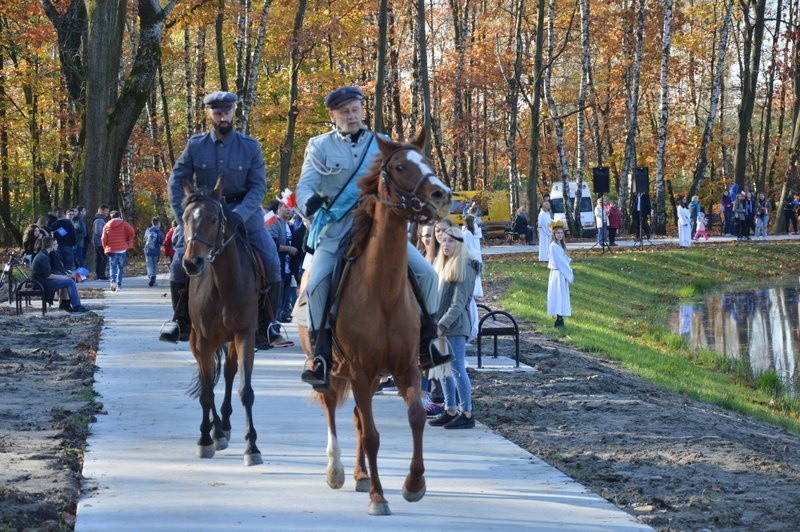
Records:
x=328, y=190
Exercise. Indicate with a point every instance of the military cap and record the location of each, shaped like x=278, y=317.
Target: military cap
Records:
x=220, y=100
x=341, y=96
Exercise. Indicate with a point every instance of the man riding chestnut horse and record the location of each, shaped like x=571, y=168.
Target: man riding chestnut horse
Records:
x=328, y=190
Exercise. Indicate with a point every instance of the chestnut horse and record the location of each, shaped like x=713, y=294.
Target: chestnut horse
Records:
x=377, y=325
x=223, y=306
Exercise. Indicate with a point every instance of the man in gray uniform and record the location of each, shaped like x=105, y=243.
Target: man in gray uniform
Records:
x=238, y=157
x=333, y=161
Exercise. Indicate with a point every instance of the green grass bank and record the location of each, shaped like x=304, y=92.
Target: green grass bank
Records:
x=620, y=304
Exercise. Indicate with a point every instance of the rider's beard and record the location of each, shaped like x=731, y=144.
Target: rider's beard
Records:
x=223, y=130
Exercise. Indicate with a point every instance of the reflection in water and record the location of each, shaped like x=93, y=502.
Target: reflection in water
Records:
x=760, y=325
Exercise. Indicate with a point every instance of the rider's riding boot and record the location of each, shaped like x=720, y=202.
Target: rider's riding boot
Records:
x=274, y=330
x=262, y=333
x=177, y=329
x=429, y=354
x=317, y=374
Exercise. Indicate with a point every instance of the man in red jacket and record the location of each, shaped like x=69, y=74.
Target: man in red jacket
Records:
x=117, y=240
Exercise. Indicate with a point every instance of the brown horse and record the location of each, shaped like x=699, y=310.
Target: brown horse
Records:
x=378, y=322
x=223, y=306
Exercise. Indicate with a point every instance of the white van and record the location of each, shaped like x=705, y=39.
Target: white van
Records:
x=587, y=205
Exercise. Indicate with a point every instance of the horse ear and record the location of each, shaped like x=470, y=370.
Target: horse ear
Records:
x=217, y=192
x=420, y=140
x=384, y=144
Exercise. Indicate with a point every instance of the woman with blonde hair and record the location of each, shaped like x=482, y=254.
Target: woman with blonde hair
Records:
x=457, y=271
x=561, y=276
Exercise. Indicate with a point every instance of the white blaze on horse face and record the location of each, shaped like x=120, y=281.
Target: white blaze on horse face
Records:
x=418, y=159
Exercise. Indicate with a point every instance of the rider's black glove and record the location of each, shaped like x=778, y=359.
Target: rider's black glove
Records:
x=314, y=203
x=234, y=220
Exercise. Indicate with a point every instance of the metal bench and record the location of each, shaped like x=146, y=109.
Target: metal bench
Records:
x=497, y=323
x=26, y=291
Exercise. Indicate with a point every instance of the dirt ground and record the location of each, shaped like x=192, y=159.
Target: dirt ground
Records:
x=46, y=405
x=674, y=463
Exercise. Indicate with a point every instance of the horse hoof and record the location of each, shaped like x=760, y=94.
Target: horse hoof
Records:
x=227, y=434
x=221, y=444
x=413, y=496
x=379, y=508
x=335, y=478
x=253, y=459
x=362, y=485
x=205, y=451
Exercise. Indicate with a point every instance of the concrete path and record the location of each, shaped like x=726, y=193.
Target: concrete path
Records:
x=142, y=474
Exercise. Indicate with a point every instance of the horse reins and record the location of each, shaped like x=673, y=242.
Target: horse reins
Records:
x=408, y=201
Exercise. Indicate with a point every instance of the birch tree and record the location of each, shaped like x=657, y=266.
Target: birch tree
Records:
x=722, y=48
x=660, y=216
x=635, y=69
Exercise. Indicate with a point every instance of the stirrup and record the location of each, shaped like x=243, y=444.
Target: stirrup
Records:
x=311, y=376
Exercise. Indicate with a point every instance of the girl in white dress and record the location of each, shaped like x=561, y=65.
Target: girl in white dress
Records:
x=684, y=224
x=561, y=276
x=545, y=234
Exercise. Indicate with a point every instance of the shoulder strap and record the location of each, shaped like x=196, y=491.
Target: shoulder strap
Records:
x=355, y=172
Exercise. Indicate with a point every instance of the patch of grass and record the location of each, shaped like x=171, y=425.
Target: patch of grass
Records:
x=620, y=305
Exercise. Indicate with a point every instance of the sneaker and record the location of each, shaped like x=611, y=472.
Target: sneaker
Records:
x=119, y=288
x=113, y=287
x=276, y=339
x=387, y=386
x=80, y=309
x=443, y=419
x=433, y=409
x=461, y=421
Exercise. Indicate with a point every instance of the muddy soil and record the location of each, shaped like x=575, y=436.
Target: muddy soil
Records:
x=674, y=463
x=46, y=405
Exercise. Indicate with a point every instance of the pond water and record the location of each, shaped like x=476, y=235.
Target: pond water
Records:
x=759, y=324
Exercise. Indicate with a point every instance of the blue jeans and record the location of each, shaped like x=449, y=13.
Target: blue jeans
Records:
x=116, y=263
x=152, y=264
x=460, y=379
x=601, y=234
x=69, y=284
x=80, y=256
x=67, y=254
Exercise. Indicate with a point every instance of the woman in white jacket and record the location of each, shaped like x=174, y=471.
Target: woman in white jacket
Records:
x=684, y=224
x=561, y=276
x=545, y=235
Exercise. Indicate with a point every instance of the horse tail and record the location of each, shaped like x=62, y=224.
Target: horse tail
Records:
x=219, y=355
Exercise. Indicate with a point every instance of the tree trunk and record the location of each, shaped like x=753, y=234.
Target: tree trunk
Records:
x=558, y=122
x=629, y=160
x=380, y=66
x=296, y=59
x=762, y=175
x=533, y=161
x=512, y=103
x=702, y=158
x=110, y=117
x=219, y=34
x=660, y=214
x=751, y=61
x=422, y=73
x=249, y=88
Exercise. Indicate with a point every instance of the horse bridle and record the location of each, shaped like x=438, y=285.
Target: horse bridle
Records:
x=219, y=244
x=409, y=201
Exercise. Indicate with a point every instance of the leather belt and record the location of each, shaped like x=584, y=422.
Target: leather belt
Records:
x=234, y=198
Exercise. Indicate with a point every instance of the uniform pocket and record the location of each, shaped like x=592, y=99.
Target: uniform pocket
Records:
x=205, y=170
x=336, y=163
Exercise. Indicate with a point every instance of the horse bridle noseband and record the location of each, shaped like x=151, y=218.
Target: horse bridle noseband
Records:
x=409, y=201
x=219, y=244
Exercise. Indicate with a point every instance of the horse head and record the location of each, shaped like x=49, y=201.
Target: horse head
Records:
x=203, y=227
x=409, y=182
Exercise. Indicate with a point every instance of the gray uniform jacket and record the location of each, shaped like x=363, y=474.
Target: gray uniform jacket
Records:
x=329, y=162
x=453, y=315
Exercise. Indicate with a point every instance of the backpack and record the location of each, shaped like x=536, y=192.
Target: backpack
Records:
x=151, y=241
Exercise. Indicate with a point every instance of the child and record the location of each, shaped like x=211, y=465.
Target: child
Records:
x=561, y=276
x=457, y=272
x=700, y=229
x=153, y=238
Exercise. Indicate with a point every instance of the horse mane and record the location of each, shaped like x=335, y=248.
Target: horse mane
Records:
x=364, y=214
